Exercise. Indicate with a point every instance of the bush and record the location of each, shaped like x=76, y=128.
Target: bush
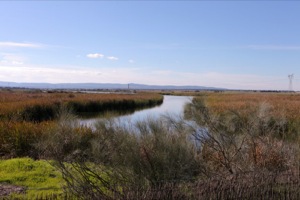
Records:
x=169, y=158
x=114, y=158
x=235, y=142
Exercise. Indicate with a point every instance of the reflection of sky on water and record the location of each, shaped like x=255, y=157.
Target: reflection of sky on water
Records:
x=172, y=105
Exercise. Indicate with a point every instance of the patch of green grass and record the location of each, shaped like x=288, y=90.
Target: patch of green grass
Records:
x=39, y=177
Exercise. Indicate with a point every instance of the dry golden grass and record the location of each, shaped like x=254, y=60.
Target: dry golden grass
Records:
x=287, y=104
x=14, y=102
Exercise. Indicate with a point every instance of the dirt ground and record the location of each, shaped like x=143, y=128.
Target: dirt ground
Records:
x=6, y=189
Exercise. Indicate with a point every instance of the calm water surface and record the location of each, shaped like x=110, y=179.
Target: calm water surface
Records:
x=172, y=105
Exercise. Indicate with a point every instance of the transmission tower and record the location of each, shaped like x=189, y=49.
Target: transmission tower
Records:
x=291, y=77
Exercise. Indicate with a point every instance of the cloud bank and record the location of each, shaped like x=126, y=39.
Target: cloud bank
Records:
x=80, y=74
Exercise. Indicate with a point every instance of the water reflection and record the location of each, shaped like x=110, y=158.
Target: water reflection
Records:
x=172, y=105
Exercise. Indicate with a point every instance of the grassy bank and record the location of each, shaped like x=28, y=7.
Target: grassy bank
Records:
x=39, y=178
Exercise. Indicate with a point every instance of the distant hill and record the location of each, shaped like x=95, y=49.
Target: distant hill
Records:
x=93, y=86
x=171, y=87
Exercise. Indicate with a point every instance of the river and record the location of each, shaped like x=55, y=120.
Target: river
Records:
x=172, y=105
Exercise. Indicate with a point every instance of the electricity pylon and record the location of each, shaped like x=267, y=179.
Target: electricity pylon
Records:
x=291, y=77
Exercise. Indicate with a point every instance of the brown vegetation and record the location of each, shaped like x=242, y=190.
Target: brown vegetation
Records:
x=40, y=106
x=282, y=104
x=26, y=116
x=221, y=155
x=230, y=146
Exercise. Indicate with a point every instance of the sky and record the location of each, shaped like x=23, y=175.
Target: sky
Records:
x=227, y=44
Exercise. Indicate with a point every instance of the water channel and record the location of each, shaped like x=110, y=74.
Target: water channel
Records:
x=172, y=105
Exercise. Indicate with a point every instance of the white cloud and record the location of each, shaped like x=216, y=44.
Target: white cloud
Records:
x=95, y=55
x=20, y=44
x=112, y=58
x=131, y=61
x=12, y=59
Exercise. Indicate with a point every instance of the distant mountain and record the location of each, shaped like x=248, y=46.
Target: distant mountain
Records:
x=93, y=86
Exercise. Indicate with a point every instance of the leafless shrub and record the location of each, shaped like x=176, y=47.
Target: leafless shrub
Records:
x=230, y=155
x=235, y=142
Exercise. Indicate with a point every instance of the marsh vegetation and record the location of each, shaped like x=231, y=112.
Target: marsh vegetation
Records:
x=231, y=145
x=25, y=116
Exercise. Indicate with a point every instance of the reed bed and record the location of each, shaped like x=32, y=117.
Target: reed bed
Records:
x=284, y=107
x=281, y=103
x=43, y=106
x=26, y=116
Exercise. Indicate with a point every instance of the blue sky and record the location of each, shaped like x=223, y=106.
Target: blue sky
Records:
x=231, y=44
